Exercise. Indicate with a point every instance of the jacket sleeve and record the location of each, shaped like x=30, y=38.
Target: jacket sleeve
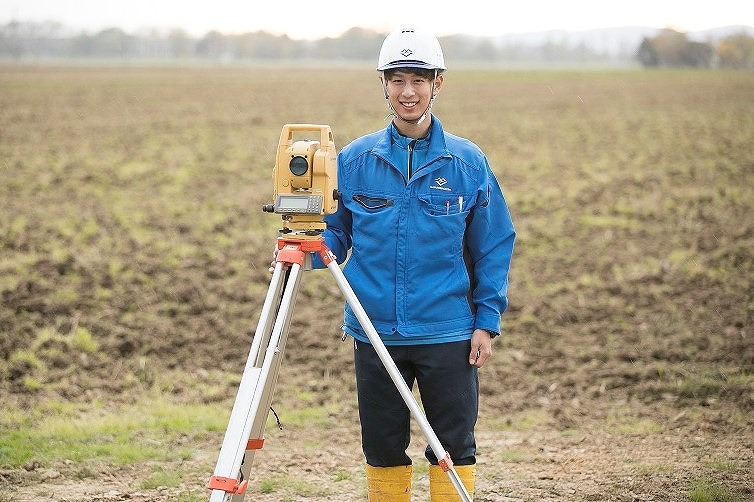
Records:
x=489, y=241
x=338, y=232
x=337, y=236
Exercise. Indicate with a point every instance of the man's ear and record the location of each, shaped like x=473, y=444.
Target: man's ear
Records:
x=382, y=83
x=438, y=84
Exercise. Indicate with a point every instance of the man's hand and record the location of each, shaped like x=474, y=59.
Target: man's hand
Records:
x=274, y=260
x=481, y=348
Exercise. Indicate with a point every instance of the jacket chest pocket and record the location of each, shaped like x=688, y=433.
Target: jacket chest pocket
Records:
x=372, y=203
x=442, y=218
x=439, y=205
x=373, y=218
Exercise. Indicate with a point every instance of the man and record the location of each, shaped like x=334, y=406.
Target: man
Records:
x=430, y=240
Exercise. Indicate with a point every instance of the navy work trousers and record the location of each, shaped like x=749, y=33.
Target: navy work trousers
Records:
x=449, y=390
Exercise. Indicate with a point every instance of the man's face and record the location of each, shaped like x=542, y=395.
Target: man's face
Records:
x=409, y=93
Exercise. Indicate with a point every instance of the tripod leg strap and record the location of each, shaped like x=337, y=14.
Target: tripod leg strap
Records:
x=255, y=444
x=228, y=485
x=446, y=463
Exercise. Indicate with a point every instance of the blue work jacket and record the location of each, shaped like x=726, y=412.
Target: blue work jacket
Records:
x=428, y=256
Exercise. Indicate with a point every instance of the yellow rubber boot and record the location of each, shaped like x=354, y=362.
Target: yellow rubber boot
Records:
x=389, y=484
x=441, y=489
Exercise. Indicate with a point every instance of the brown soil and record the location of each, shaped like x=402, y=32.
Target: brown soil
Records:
x=554, y=426
x=626, y=369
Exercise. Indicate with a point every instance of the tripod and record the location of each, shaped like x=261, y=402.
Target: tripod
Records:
x=245, y=432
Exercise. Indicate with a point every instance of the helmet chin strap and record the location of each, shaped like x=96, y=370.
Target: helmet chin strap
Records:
x=426, y=110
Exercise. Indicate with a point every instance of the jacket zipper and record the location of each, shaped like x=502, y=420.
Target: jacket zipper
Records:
x=410, y=157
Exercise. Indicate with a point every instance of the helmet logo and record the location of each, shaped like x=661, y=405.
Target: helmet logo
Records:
x=406, y=52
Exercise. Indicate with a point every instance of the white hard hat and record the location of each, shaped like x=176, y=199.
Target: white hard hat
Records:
x=410, y=48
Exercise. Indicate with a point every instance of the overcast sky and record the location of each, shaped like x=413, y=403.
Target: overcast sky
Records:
x=316, y=19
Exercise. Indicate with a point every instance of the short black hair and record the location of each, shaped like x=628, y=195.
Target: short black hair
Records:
x=422, y=72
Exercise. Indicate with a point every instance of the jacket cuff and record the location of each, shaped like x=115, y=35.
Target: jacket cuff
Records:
x=490, y=323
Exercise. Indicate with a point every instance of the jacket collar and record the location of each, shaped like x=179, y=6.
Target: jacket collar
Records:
x=436, y=137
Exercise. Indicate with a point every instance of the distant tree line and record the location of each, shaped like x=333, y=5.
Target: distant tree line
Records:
x=673, y=49
x=51, y=40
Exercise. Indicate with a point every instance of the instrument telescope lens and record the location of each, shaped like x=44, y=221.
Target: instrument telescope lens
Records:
x=299, y=165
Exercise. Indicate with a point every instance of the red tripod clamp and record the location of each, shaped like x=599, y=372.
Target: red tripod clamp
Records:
x=228, y=485
x=292, y=249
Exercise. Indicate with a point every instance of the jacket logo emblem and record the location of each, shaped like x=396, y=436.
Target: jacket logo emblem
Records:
x=439, y=184
x=406, y=52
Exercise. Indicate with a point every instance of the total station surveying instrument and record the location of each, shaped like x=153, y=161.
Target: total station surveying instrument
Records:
x=305, y=190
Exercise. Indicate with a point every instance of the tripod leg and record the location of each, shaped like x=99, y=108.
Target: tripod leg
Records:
x=250, y=409
x=395, y=376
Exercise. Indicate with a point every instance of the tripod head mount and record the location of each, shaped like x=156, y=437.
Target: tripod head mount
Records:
x=304, y=178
